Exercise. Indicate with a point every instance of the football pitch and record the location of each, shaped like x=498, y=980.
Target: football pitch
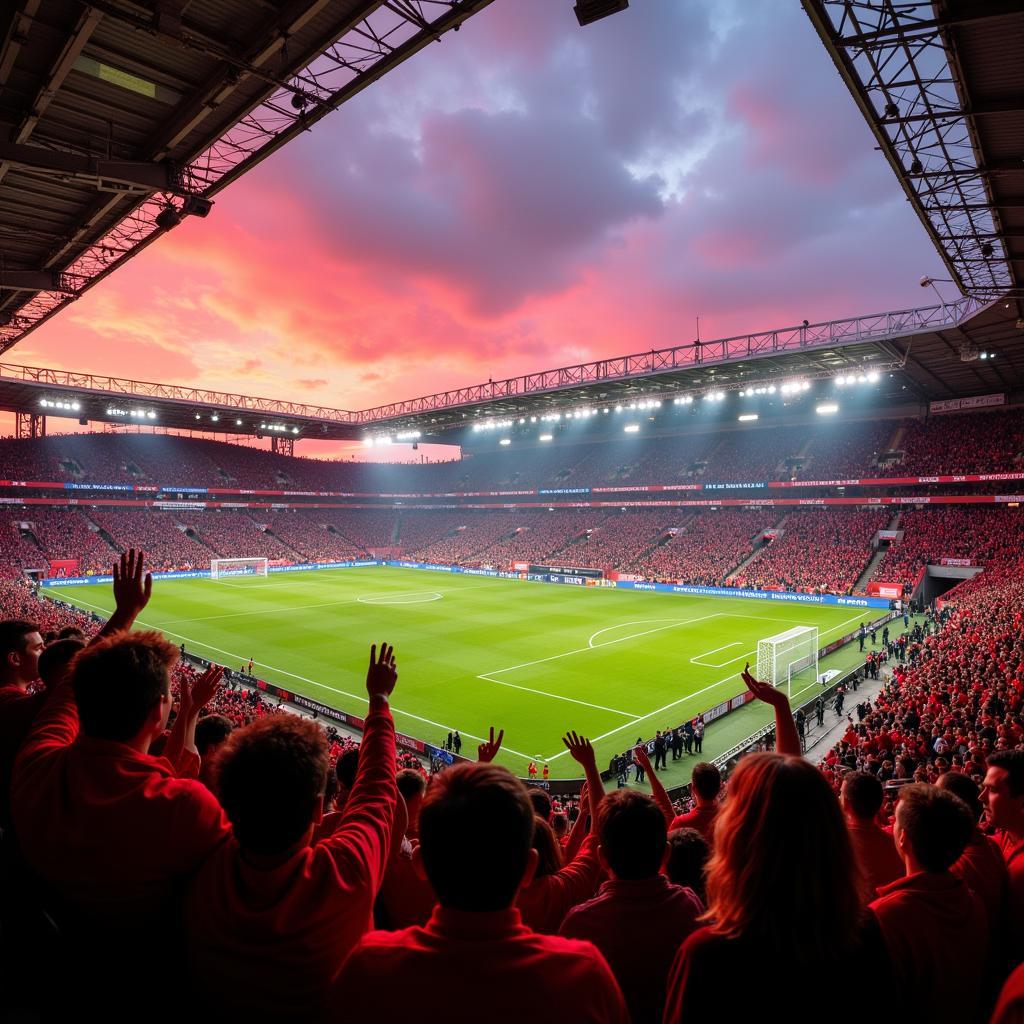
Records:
x=532, y=658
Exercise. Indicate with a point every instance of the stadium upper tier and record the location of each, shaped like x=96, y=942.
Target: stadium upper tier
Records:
x=980, y=443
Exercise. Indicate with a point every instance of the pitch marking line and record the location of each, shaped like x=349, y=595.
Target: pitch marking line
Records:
x=413, y=597
x=557, y=696
x=699, y=659
x=689, y=696
x=312, y=682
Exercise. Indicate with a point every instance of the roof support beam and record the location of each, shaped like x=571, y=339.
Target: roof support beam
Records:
x=109, y=175
x=86, y=25
x=32, y=281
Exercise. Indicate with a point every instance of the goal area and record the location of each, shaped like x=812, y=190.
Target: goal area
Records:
x=785, y=655
x=221, y=567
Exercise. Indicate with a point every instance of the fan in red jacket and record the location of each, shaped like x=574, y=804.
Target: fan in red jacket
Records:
x=935, y=928
x=706, y=785
x=476, y=831
x=270, y=918
x=638, y=919
x=861, y=799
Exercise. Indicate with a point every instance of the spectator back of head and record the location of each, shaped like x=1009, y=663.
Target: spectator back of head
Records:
x=346, y=767
x=55, y=659
x=476, y=830
x=632, y=833
x=541, y=803
x=936, y=823
x=411, y=784
x=964, y=787
x=120, y=682
x=862, y=795
x=211, y=732
x=688, y=853
x=271, y=776
x=706, y=781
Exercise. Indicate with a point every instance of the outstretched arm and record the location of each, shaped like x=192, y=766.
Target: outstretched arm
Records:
x=193, y=699
x=580, y=827
x=132, y=590
x=583, y=754
x=657, y=789
x=787, y=739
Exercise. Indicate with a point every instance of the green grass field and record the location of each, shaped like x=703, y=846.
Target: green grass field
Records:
x=473, y=652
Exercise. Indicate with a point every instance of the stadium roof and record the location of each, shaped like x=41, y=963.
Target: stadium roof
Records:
x=959, y=349
x=118, y=118
x=941, y=86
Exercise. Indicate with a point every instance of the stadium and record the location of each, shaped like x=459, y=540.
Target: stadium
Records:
x=697, y=651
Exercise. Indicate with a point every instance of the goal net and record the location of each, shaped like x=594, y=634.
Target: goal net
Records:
x=220, y=567
x=785, y=655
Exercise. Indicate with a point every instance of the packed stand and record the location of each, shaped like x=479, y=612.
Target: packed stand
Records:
x=987, y=442
x=820, y=551
x=538, y=535
x=985, y=536
x=154, y=531
x=707, y=548
x=309, y=534
x=619, y=539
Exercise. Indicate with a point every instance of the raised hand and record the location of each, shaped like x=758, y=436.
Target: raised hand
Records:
x=488, y=750
x=204, y=689
x=580, y=749
x=382, y=674
x=132, y=588
x=763, y=691
x=642, y=758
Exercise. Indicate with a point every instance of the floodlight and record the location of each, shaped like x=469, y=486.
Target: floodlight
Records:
x=827, y=409
x=748, y=417
x=632, y=428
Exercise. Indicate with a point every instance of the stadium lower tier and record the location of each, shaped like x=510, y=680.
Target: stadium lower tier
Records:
x=828, y=550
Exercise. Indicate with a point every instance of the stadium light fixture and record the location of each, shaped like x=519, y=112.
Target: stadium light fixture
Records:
x=827, y=409
x=748, y=417
x=546, y=437
x=238, y=423
x=215, y=418
x=295, y=430
x=505, y=441
x=632, y=428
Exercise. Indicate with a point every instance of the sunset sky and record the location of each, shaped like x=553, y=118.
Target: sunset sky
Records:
x=524, y=194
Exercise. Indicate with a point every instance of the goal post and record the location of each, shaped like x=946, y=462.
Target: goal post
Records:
x=220, y=567
x=785, y=655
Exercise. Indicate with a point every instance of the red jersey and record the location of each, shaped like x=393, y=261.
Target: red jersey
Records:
x=467, y=960
x=702, y=818
x=270, y=939
x=638, y=926
x=936, y=931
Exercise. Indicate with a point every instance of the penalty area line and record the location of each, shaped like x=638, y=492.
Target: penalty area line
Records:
x=558, y=696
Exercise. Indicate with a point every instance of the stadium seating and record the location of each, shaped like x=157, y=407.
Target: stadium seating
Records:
x=985, y=536
x=707, y=548
x=819, y=550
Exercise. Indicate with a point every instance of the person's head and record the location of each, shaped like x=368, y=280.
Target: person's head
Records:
x=964, y=787
x=559, y=824
x=21, y=643
x=270, y=778
x=549, y=851
x=412, y=786
x=71, y=633
x=706, y=782
x=688, y=853
x=1003, y=791
x=345, y=769
x=541, y=803
x=476, y=836
x=211, y=732
x=55, y=660
x=632, y=833
x=122, y=687
x=861, y=796
x=932, y=827
x=783, y=873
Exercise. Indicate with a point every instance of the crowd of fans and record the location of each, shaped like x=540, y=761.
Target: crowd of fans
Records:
x=820, y=550
x=984, y=536
x=952, y=444
x=707, y=548
x=160, y=819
